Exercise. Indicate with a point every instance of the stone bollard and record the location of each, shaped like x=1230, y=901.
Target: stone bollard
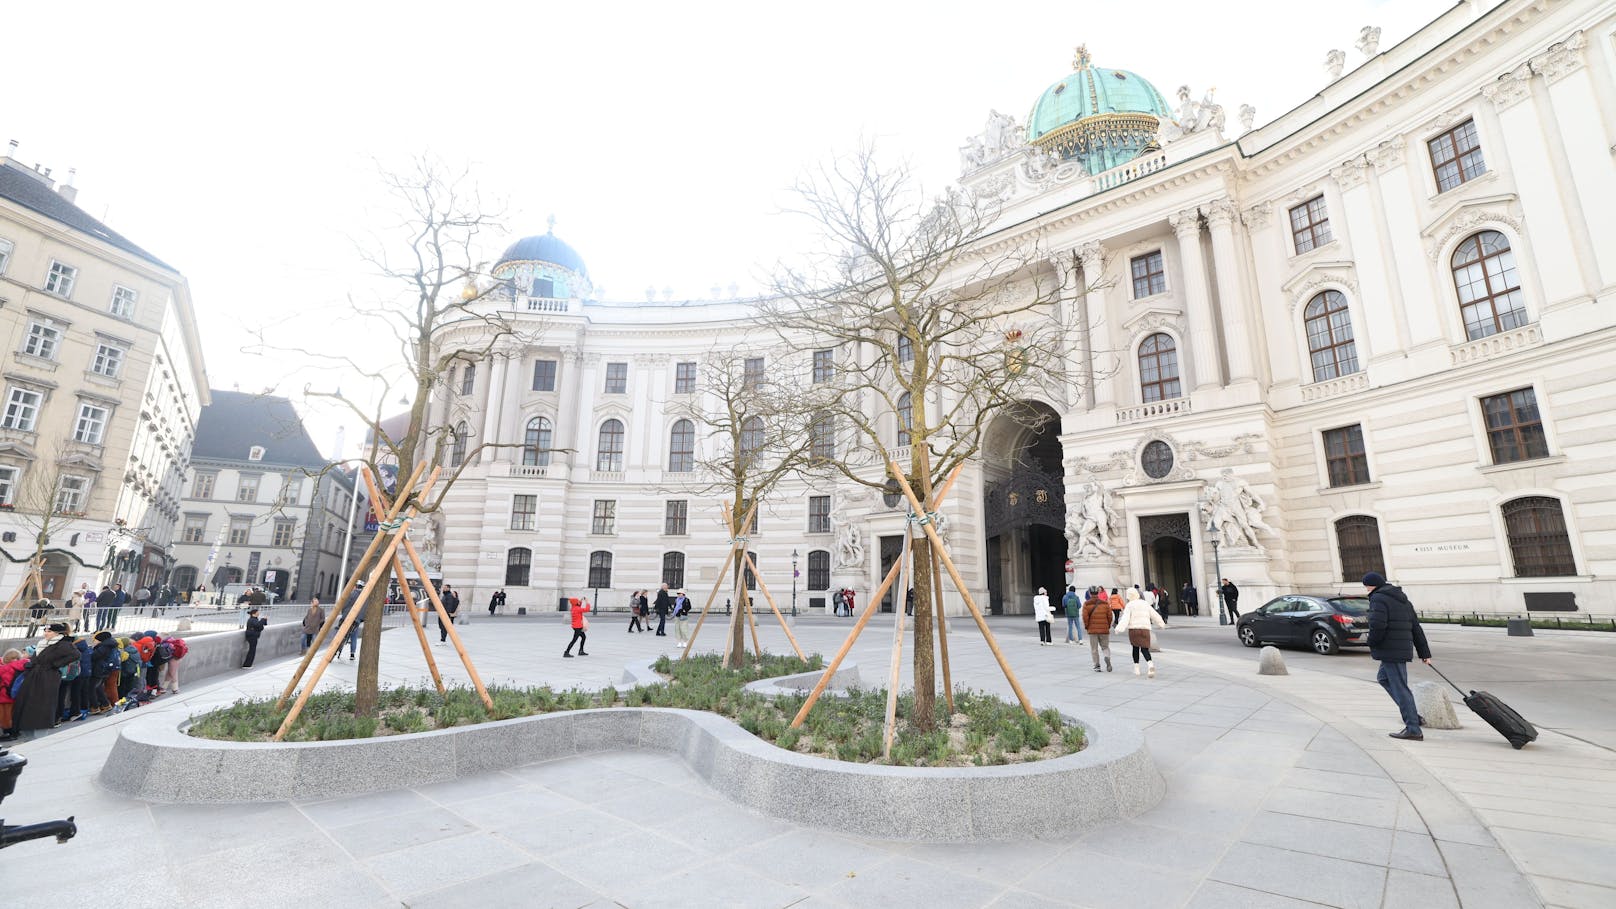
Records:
x=184, y=625
x=1271, y=662
x=1431, y=700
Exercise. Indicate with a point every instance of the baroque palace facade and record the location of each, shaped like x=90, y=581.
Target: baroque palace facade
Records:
x=1375, y=333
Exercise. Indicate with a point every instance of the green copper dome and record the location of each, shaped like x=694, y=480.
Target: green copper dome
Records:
x=1100, y=117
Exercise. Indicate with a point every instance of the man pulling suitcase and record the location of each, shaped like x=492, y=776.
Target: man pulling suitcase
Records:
x=1395, y=636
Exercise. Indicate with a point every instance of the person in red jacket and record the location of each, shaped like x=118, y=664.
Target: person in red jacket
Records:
x=579, y=625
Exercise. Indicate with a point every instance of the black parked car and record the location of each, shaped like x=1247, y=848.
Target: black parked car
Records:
x=1322, y=622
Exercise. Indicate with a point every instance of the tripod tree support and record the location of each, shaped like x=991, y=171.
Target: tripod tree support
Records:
x=415, y=619
x=718, y=582
x=900, y=599
x=772, y=605
x=959, y=584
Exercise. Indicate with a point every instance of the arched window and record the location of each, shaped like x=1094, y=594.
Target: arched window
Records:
x=1357, y=539
x=185, y=577
x=822, y=437
x=600, y=569
x=751, y=578
x=1537, y=538
x=906, y=418
x=751, y=436
x=673, y=569
x=609, y=453
x=1488, y=285
x=536, y=443
x=1158, y=368
x=518, y=565
x=457, y=447
x=1329, y=336
x=819, y=569
x=682, y=447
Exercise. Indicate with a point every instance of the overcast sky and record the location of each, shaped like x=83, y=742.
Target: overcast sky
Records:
x=242, y=147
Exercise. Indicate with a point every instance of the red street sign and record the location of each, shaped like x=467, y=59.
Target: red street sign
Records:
x=1068, y=566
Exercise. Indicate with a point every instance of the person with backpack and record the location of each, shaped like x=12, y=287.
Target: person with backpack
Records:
x=255, y=627
x=162, y=655
x=11, y=666
x=1097, y=619
x=170, y=679
x=73, y=698
x=128, y=669
x=103, y=669
x=1073, y=607
x=36, y=698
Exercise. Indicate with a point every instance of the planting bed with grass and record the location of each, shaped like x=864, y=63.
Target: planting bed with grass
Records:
x=983, y=730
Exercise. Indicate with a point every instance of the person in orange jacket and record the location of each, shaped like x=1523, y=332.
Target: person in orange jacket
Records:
x=579, y=626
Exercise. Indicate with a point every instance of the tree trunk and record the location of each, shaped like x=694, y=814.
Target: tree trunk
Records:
x=924, y=716
x=366, y=683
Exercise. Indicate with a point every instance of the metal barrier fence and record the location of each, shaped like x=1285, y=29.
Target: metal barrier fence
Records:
x=20, y=627
x=1583, y=622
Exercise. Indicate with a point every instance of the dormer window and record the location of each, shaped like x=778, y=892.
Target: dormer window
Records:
x=255, y=453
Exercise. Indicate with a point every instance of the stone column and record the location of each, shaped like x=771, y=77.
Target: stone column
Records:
x=1197, y=302
x=1091, y=304
x=1237, y=340
x=492, y=400
x=1268, y=252
x=1581, y=166
x=1076, y=367
x=584, y=388
x=1358, y=226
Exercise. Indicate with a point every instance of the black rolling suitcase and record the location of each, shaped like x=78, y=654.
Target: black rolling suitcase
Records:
x=1498, y=714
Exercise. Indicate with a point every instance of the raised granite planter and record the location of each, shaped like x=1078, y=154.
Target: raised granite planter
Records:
x=1114, y=777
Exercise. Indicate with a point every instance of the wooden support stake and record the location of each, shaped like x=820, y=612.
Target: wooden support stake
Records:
x=416, y=620
x=900, y=600
x=448, y=624
x=777, y=613
x=717, y=583
x=942, y=627
x=959, y=583
x=751, y=620
x=347, y=589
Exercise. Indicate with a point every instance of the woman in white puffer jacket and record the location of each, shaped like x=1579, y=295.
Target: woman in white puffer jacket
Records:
x=1042, y=612
x=1137, y=617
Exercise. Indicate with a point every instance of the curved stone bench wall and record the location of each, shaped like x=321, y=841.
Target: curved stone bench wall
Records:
x=1113, y=777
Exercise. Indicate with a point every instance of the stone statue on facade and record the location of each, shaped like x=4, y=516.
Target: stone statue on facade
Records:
x=1000, y=137
x=849, y=552
x=1334, y=62
x=1248, y=117
x=426, y=534
x=1192, y=116
x=1369, y=40
x=1235, y=512
x=1089, y=525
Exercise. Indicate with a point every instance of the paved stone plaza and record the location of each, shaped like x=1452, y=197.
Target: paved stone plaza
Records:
x=1283, y=791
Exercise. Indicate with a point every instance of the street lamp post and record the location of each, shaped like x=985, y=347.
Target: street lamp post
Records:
x=1217, y=571
x=793, y=583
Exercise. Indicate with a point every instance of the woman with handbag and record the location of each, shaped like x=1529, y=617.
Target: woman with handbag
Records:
x=1137, y=617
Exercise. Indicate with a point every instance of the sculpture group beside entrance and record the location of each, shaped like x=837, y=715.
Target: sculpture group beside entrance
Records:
x=1234, y=512
x=1090, y=524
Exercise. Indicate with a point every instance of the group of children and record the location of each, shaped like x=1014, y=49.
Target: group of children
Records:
x=111, y=674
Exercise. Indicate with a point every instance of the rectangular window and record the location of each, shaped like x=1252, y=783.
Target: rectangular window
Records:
x=91, y=426
x=59, y=280
x=108, y=360
x=1456, y=156
x=43, y=340
x=247, y=489
x=240, y=528
x=684, y=378
x=468, y=379
x=196, y=528
x=616, y=378
x=1344, y=457
x=123, y=301
x=544, y=375
x=752, y=373
x=824, y=366
x=291, y=491
x=8, y=484
x=282, y=535
x=22, y=409
x=202, y=486
x=524, y=512
x=71, y=493
x=1514, y=428
x=605, y=520
x=819, y=514
x=674, y=517
x=1310, y=225
x=1149, y=277
x=5, y=254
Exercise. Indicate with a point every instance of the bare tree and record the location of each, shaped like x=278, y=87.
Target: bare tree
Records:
x=50, y=499
x=935, y=330
x=754, y=432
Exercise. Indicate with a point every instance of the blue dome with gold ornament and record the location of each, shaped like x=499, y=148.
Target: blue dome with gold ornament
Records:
x=1099, y=117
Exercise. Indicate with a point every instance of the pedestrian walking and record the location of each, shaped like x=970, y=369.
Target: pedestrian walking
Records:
x=1190, y=599
x=451, y=605
x=1395, y=636
x=313, y=621
x=636, y=622
x=580, y=625
x=1114, y=601
x=255, y=627
x=1072, y=605
x=664, y=605
x=1231, y=598
x=353, y=630
x=1137, y=617
x=36, y=704
x=909, y=602
x=681, y=613
x=1097, y=619
x=1042, y=612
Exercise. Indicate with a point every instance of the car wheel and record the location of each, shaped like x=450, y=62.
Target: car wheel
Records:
x=1324, y=642
x=1248, y=636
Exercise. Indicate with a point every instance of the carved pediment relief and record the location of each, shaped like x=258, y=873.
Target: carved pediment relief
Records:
x=1155, y=318
x=1468, y=215
x=1337, y=273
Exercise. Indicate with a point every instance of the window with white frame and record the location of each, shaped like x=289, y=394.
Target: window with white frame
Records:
x=22, y=409
x=616, y=378
x=255, y=453
x=536, y=443
x=1330, y=345
x=524, y=512
x=282, y=534
x=59, y=280
x=605, y=517
x=544, y=375
x=71, y=493
x=240, y=530
x=202, y=486
x=6, y=247
x=247, y=488
x=91, y=425
x=108, y=360
x=1310, y=225
x=1149, y=275
x=44, y=340
x=682, y=447
x=195, y=530
x=673, y=569
x=291, y=490
x=8, y=484
x=609, y=449
x=123, y=301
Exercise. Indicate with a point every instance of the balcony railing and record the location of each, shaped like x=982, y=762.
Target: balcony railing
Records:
x=1133, y=170
x=1496, y=345
x=548, y=304
x=530, y=470
x=1330, y=388
x=1155, y=410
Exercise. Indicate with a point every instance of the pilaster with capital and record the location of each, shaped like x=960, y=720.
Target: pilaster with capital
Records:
x=1091, y=304
x=1511, y=88
x=1350, y=174
x=1561, y=59
x=1197, y=299
x=1238, y=342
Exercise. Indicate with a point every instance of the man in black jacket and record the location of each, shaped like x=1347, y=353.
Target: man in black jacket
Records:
x=255, y=627
x=1395, y=636
x=1231, y=599
x=664, y=605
